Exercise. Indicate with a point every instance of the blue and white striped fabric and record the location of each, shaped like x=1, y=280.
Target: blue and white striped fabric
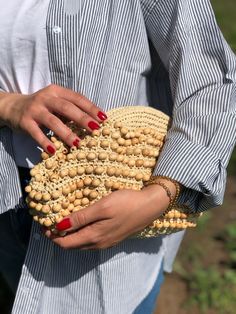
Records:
x=167, y=54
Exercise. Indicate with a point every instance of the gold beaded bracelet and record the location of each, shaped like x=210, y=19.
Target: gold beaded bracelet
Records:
x=156, y=180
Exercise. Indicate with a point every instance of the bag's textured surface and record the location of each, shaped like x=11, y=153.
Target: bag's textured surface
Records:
x=120, y=155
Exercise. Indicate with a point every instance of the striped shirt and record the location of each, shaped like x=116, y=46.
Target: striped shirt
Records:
x=167, y=54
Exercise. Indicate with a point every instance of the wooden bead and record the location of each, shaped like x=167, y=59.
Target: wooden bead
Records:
x=58, y=218
x=32, y=194
x=166, y=224
x=146, y=163
x=139, y=176
x=44, y=155
x=78, y=194
x=28, y=189
x=132, y=174
x=80, y=170
x=77, y=202
x=126, y=160
x=120, y=158
x=57, y=144
x=71, y=198
x=65, y=212
x=33, y=172
x=131, y=162
x=117, y=124
x=99, y=170
x=177, y=214
x=145, y=152
x=96, y=133
x=111, y=171
x=115, y=135
x=125, y=173
x=93, y=194
x=53, y=139
x=146, y=131
x=72, y=172
x=146, y=177
x=65, y=204
x=121, y=141
x=81, y=156
x=124, y=131
x=66, y=190
x=108, y=184
x=150, y=140
x=89, y=169
x=54, y=177
x=118, y=172
x=137, y=151
x=84, y=201
x=47, y=222
x=134, y=141
x=87, y=181
x=48, y=164
x=56, y=195
x=70, y=207
x=56, y=208
x=73, y=186
x=32, y=204
x=38, y=207
x=113, y=156
x=70, y=157
x=114, y=146
x=92, y=143
x=79, y=184
x=102, y=156
x=139, y=163
x=46, y=209
x=36, y=218
x=86, y=192
x=128, y=143
x=63, y=173
x=129, y=151
x=106, y=131
x=41, y=220
x=115, y=185
x=91, y=156
x=38, y=196
x=104, y=144
x=120, y=150
x=96, y=182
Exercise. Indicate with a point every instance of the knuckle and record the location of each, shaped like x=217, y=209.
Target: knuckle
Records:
x=80, y=219
x=52, y=88
x=52, y=120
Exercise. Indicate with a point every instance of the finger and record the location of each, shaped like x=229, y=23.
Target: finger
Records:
x=83, y=218
x=80, y=101
x=37, y=134
x=60, y=129
x=79, y=239
x=72, y=113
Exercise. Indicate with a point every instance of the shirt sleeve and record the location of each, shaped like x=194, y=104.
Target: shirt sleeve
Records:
x=202, y=74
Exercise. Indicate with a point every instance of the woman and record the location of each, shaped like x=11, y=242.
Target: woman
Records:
x=170, y=55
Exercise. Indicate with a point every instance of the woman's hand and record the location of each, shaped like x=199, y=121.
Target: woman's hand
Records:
x=112, y=219
x=43, y=108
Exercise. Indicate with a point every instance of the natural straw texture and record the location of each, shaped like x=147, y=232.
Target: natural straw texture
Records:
x=120, y=155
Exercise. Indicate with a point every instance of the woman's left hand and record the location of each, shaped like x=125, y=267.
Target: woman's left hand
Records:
x=112, y=219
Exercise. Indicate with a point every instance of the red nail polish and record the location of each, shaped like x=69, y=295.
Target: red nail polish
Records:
x=51, y=149
x=76, y=142
x=93, y=125
x=102, y=115
x=64, y=224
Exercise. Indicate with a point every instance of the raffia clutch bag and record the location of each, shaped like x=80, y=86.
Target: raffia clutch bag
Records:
x=120, y=155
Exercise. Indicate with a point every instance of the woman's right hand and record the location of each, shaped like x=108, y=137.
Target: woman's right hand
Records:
x=43, y=109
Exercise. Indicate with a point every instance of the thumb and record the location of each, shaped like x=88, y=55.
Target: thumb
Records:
x=82, y=218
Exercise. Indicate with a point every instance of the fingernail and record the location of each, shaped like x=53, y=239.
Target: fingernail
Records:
x=102, y=115
x=51, y=149
x=76, y=142
x=64, y=224
x=93, y=125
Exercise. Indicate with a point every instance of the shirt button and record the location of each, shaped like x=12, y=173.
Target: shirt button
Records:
x=37, y=236
x=56, y=29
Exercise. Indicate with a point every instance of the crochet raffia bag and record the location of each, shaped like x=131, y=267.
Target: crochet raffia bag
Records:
x=120, y=155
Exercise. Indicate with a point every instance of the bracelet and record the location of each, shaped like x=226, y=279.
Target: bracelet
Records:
x=156, y=180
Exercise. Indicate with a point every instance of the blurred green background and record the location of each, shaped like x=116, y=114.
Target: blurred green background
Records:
x=204, y=277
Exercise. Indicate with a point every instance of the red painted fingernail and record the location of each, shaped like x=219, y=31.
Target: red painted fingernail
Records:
x=93, y=125
x=102, y=115
x=51, y=149
x=76, y=142
x=64, y=224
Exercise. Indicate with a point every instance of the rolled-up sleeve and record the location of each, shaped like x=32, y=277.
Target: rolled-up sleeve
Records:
x=202, y=74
